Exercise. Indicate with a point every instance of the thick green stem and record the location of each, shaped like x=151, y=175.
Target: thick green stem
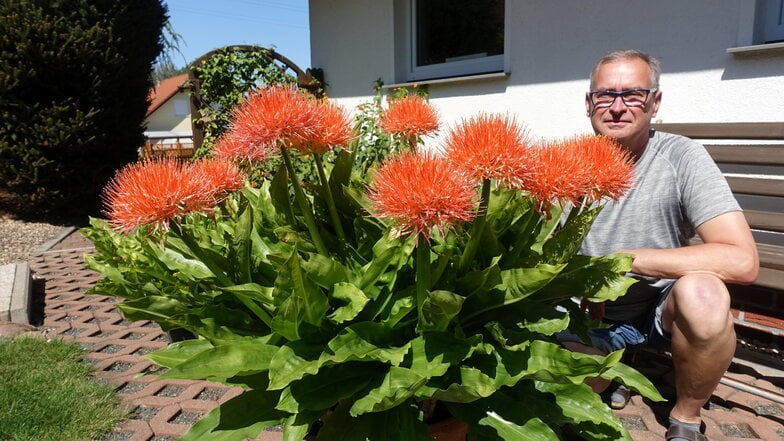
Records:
x=422, y=274
x=477, y=229
x=333, y=210
x=299, y=195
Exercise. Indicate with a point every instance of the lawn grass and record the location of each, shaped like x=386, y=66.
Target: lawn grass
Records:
x=47, y=393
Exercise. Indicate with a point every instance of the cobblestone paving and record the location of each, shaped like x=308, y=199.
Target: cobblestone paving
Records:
x=163, y=410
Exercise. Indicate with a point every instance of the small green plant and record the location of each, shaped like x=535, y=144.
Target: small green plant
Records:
x=47, y=393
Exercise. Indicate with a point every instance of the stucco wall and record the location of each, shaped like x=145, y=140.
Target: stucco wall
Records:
x=166, y=119
x=553, y=46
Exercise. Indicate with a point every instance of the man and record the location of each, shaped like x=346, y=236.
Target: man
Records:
x=681, y=297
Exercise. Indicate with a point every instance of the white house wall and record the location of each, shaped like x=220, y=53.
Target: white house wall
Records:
x=165, y=117
x=552, y=47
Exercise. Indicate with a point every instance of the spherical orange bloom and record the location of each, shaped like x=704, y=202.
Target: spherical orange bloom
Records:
x=332, y=128
x=609, y=166
x=221, y=177
x=153, y=192
x=557, y=174
x=411, y=115
x=275, y=114
x=230, y=147
x=419, y=192
x=490, y=147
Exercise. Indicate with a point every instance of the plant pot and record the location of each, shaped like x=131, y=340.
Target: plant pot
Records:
x=450, y=429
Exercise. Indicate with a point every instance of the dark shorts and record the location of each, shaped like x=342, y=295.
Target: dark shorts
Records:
x=632, y=335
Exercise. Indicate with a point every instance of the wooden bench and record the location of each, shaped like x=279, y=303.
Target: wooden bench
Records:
x=751, y=156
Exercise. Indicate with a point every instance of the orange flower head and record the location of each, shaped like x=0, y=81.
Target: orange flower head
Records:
x=557, y=174
x=220, y=177
x=412, y=116
x=231, y=147
x=273, y=115
x=154, y=192
x=420, y=192
x=490, y=147
x=609, y=166
x=333, y=128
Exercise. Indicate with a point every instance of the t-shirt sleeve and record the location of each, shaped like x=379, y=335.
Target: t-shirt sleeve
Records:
x=705, y=192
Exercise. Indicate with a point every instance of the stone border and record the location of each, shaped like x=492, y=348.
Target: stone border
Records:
x=15, y=290
x=49, y=244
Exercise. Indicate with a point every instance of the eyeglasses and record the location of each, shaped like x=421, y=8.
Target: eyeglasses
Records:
x=632, y=97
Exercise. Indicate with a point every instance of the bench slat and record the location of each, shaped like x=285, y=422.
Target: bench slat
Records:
x=741, y=130
x=747, y=154
x=771, y=256
x=756, y=186
x=765, y=220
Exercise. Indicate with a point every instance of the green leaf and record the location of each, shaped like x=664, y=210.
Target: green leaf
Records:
x=176, y=261
x=179, y=352
x=399, y=384
x=229, y=359
x=366, y=341
x=331, y=384
x=242, y=417
x=634, y=380
x=405, y=419
x=293, y=361
x=352, y=299
x=586, y=411
x=467, y=385
x=438, y=310
x=533, y=429
x=298, y=300
x=567, y=241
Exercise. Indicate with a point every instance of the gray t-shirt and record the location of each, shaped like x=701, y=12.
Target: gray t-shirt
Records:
x=677, y=187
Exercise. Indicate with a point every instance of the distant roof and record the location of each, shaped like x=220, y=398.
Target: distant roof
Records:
x=165, y=90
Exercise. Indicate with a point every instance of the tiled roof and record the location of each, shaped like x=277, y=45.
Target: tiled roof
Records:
x=165, y=90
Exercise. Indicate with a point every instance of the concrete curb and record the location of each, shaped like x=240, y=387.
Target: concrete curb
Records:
x=46, y=246
x=15, y=293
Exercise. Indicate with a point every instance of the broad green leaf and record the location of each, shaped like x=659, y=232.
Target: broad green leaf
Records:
x=396, y=424
x=398, y=385
x=293, y=361
x=179, y=352
x=366, y=341
x=241, y=243
x=581, y=405
x=298, y=300
x=432, y=353
x=468, y=384
x=254, y=291
x=633, y=379
x=352, y=299
x=533, y=429
x=175, y=261
x=242, y=417
x=567, y=241
x=551, y=363
x=438, y=310
x=229, y=359
x=331, y=384
x=324, y=271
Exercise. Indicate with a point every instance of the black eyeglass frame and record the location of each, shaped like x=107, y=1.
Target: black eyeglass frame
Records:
x=621, y=94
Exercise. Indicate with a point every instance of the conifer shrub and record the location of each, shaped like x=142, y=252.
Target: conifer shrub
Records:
x=74, y=84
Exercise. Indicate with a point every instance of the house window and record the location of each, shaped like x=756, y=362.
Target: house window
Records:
x=761, y=23
x=181, y=107
x=774, y=25
x=455, y=37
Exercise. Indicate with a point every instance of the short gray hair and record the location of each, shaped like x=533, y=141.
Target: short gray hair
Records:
x=630, y=54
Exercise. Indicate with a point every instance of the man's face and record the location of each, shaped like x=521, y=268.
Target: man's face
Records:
x=629, y=125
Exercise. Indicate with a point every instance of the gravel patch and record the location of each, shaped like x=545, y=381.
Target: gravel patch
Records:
x=20, y=239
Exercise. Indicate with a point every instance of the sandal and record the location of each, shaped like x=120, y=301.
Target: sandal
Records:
x=678, y=431
x=620, y=397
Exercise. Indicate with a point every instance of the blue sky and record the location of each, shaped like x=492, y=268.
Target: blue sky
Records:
x=206, y=25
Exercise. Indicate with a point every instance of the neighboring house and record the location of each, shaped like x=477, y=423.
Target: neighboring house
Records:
x=723, y=60
x=169, y=131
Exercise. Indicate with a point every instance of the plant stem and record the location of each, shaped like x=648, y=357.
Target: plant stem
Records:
x=333, y=211
x=422, y=274
x=477, y=229
x=299, y=195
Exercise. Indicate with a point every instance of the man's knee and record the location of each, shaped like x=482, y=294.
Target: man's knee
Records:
x=700, y=305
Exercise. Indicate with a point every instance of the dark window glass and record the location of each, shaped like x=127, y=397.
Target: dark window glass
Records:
x=451, y=30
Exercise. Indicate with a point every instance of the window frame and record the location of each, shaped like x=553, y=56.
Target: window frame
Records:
x=456, y=68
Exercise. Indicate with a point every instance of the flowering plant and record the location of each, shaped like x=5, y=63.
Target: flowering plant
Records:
x=432, y=284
